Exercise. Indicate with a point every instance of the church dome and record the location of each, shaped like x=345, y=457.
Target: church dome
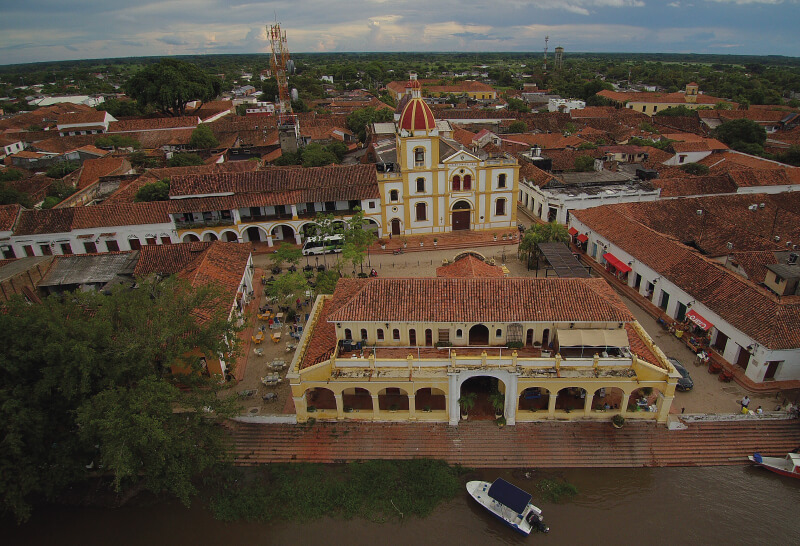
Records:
x=417, y=116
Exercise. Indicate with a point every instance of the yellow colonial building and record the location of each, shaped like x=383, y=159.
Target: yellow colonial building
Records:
x=430, y=184
x=651, y=103
x=400, y=349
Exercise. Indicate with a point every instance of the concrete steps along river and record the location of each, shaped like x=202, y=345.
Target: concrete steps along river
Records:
x=481, y=444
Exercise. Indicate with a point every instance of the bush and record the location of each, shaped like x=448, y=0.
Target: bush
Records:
x=443, y=344
x=60, y=170
x=517, y=127
x=10, y=175
x=514, y=345
x=117, y=141
x=185, y=160
x=584, y=163
x=203, y=138
x=695, y=168
x=155, y=191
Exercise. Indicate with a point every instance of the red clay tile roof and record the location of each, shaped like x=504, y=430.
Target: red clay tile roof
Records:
x=463, y=137
x=685, y=186
x=35, y=222
x=469, y=86
x=89, y=116
x=8, y=215
x=702, y=145
x=36, y=186
x=745, y=178
x=648, y=97
x=168, y=259
x=478, y=300
x=285, y=185
x=468, y=266
x=771, y=322
x=532, y=173
x=62, y=145
x=93, y=169
x=152, y=124
x=45, y=116
x=754, y=263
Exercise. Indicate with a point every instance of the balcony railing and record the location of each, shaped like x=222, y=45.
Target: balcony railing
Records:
x=204, y=223
x=266, y=217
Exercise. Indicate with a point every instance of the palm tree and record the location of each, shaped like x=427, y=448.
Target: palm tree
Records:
x=552, y=232
x=467, y=402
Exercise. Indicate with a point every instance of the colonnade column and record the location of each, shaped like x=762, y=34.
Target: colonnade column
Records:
x=511, y=400
x=452, y=398
x=300, y=408
x=376, y=409
x=339, y=406
x=412, y=406
x=587, y=404
x=551, y=404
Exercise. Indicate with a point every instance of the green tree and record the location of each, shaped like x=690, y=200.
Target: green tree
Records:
x=10, y=196
x=790, y=156
x=140, y=160
x=170, y=84
x=359, y=119
x=86, y=384
x=552, y=232
x=184, y=160
x=154, y=191
x=289, y=287
x=695, y=168
x=62, y=169
x=584, y=163
x=316, y=155
x=285, y=253
x=677, y=111
x=10, y=175
x=357, y=240
x=743, y=135
x=517, y=126
x=203, y=138
x=517, y=105
x=326, y=282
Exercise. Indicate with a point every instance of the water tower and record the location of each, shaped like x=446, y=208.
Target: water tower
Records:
x=559, y=58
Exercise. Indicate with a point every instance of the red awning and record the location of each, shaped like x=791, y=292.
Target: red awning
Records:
x=583, y=237
x=622, y=267
x=698, y=320
x=573, y=231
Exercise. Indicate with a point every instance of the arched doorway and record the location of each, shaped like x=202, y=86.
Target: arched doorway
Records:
x=570, y=399
x=534, y=399
x=608, y=399
x=479, y=335
x=253, y=234
x=210, y=236
x=461, y=215
x=395, y=226
x=482, y=389
x=430, y=399
x=231, y=237
x=283, y=233
x=393, y=399
x=190, y=238
x=320, y=398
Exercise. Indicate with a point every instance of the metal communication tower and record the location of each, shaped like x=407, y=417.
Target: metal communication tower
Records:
x=279, y=62
x=544, y=66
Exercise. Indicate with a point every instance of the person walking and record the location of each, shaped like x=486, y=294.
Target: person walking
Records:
x=745, y=401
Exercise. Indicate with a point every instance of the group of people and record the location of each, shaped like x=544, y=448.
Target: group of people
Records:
x=745, y=403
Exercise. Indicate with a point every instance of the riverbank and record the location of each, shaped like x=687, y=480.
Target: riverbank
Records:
x=711, y=505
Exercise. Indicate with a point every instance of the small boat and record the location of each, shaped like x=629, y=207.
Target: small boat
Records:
x=509, y=503
x=787, y=466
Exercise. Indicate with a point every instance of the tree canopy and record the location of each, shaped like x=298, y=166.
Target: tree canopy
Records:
x=170, y=84
x=552, y=232
x=203, y=138
x=86, y=386
x=358, y=120
x=743, y=135
x=154, y=191
x=184, y=160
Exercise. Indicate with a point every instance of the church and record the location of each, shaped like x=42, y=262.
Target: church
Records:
x=430, y=183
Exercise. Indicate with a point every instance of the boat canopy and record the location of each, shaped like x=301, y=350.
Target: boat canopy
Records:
x=509, y=495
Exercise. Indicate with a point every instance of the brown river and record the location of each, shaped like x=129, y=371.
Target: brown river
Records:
x=642, y=507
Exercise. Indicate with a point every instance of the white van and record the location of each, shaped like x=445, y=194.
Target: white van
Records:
x=323, y=245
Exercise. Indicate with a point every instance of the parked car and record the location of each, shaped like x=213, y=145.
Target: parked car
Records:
x=685, y=383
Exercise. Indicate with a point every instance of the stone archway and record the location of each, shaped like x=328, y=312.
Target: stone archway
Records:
x=483, y=387
x=479, y=335
x=462, y=213
x=210, y=236
x=190, y=238
x=505, y=382
x=230, y=236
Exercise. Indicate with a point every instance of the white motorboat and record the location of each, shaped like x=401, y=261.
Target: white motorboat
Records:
x=509, y=503
x=785, y=466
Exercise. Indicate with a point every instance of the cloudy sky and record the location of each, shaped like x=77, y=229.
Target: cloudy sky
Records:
x=45, y=30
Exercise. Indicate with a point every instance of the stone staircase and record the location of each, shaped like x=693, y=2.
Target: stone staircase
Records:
x=543, y=445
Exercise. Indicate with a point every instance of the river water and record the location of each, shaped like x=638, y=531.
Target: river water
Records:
x=709, y=505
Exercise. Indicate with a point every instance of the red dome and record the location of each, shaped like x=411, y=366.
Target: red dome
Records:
x=417, y=116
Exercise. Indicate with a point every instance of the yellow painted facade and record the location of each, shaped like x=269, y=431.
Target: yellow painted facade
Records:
x=545, y=387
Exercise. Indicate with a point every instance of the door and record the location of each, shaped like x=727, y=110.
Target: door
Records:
x=412, y=337
x=772, y=367
x=395, y=226
x=720, y=342
x=460, y=220
x=744, y=358
x=428, y=337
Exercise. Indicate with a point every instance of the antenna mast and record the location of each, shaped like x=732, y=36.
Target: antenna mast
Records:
x=279, y=63
x=544, y=66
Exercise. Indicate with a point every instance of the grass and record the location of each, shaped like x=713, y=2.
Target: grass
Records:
x=556, y=490
x=375, y=490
